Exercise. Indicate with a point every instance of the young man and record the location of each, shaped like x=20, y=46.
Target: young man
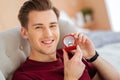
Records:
x=39, y=20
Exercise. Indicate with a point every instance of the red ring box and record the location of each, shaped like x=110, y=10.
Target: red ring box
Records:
x=69, y=42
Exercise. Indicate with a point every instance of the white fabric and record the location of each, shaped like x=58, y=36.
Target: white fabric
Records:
x=13, y=51
x=111, y=53
x=2, y=76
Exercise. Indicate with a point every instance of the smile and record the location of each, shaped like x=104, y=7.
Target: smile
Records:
x=47, y=41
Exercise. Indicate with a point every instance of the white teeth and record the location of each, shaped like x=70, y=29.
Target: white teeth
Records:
x=47, y=42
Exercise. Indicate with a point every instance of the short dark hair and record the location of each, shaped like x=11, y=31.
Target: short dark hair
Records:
x=38, y=5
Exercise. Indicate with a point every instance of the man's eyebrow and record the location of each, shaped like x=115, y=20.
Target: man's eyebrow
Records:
x=42, y=24
x=54, y=23
x=37, y=24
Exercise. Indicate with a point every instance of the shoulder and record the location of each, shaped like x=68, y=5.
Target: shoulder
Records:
x=20, y=73
x=20, y=76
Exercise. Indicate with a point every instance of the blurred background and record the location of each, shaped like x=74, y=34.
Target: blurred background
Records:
x=87, y=14
x=98, y=19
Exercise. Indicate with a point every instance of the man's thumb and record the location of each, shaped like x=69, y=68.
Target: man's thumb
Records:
x=65, y=55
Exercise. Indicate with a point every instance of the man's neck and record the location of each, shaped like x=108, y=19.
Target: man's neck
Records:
x=42, y=57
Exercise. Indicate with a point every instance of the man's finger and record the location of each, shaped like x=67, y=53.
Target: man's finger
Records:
x=78, y=54
x=79, y=51
x=65, y=55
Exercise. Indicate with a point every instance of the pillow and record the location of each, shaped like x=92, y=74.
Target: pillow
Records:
x=102, y=38
x=13, y=51
x=111, y=53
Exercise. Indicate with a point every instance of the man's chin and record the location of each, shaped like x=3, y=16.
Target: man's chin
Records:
x=51, y=52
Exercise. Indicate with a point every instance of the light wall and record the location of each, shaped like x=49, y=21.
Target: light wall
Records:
x=100, y=14
x=9, y=11
x=70, y=6
x=114, y=13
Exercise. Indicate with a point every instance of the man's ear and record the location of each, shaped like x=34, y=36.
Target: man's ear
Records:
x=24, y=32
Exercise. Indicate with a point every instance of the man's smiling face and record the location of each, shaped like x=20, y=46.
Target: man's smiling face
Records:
x=43, y=31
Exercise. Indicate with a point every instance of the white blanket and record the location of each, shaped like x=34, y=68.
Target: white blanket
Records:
x=2, y=76
x=111, y=53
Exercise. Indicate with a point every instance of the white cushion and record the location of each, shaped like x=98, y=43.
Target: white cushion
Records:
x=111, y=53
x=13, y=51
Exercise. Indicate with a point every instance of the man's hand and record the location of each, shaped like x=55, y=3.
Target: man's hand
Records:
x=85, y=44
x=74, y=67
x=88, y=51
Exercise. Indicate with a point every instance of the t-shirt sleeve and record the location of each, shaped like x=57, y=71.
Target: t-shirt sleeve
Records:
x=91, y=69
x=20, y=76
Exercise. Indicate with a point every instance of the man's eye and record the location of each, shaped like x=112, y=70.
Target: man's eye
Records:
x=38, y=27
x=52, y=26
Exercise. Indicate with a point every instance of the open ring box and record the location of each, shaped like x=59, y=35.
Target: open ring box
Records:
x=69, y=42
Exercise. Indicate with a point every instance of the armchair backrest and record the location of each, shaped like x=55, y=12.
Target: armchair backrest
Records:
x=13, y=51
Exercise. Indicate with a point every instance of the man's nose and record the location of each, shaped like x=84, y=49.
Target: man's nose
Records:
x=48, y=33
